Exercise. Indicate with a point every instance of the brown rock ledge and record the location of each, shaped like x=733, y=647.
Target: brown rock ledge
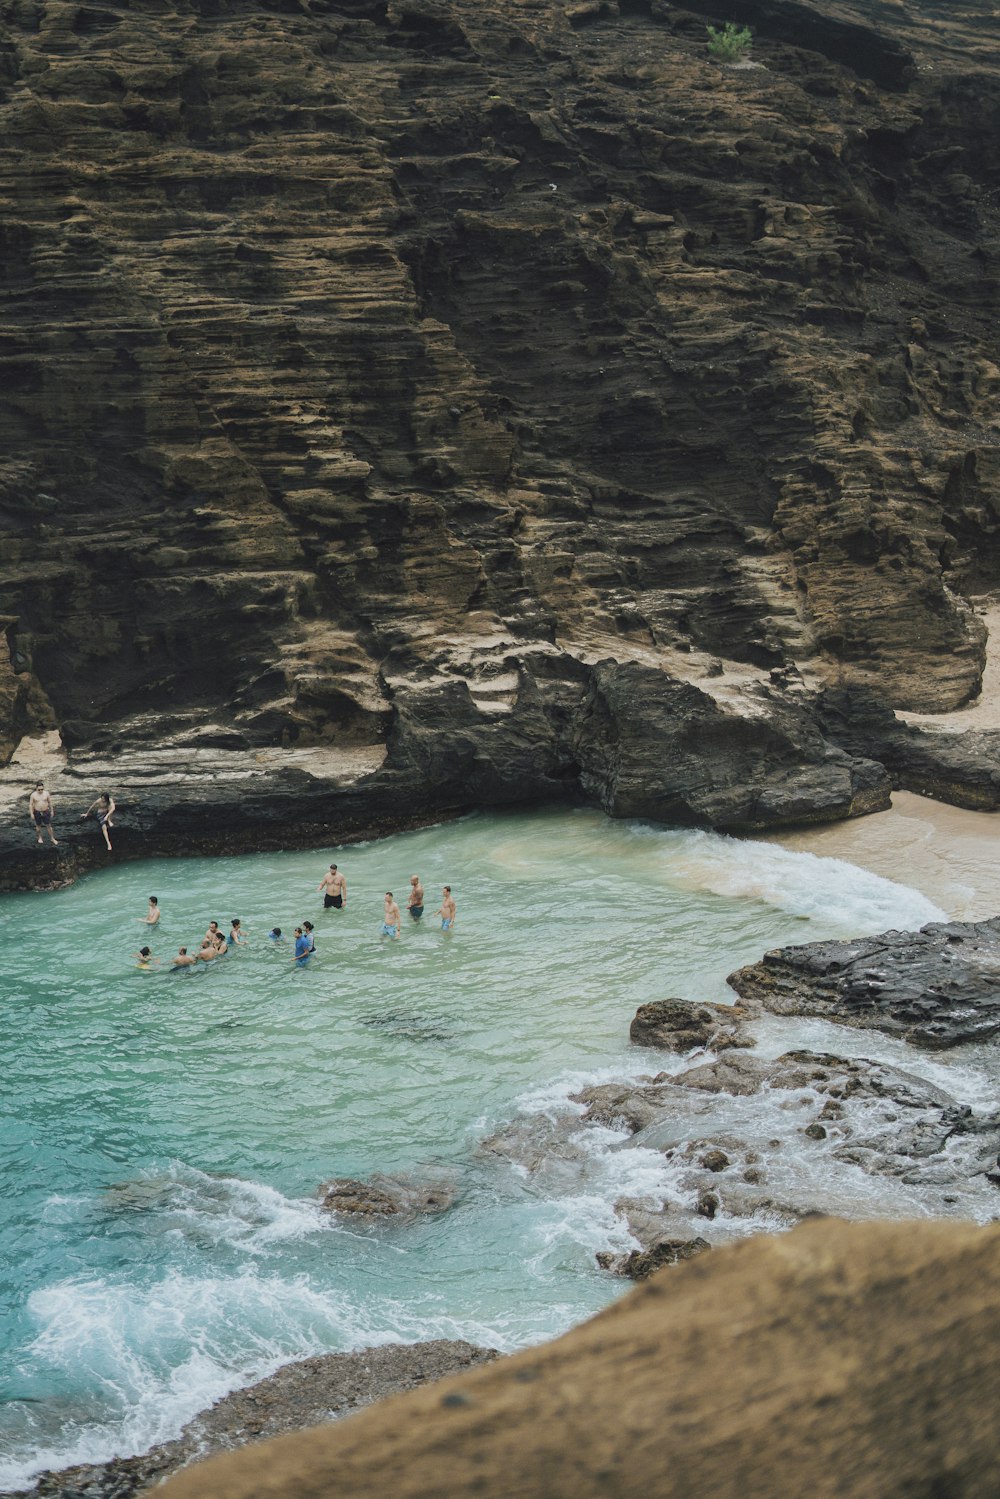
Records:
x=302, y=1394
x=837, y=1359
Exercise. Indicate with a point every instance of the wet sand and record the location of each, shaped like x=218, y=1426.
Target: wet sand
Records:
x=950, y=855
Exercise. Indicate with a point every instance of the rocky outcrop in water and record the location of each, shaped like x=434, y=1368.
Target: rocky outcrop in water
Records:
x=743, y=1142
x=434, y=404
x=678, y=1025
x=838, y=1359
x=640, y=1264
x=308, y=1393
x=935, y=988
x=386, y=1197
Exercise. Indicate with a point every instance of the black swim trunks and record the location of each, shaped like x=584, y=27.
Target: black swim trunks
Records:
x=42, y=819
x=416, y=912
x=336, y=901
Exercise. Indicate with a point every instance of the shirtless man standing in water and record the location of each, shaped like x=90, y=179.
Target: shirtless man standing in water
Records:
x=334, y=888
x=415, y=899
x=41, y=810
x=390, y=922
x=446, y=910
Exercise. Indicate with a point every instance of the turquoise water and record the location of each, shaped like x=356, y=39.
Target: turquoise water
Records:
x=163, y=1134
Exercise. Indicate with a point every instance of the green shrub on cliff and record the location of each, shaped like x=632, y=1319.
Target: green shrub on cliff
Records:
x=730, y=44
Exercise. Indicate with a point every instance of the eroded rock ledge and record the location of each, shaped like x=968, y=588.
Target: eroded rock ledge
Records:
x=432, y=405
x=840, y=1358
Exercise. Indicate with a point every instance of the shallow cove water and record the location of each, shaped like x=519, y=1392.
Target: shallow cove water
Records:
x=163, y=1134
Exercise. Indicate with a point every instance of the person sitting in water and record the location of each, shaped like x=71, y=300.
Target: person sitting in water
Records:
x=213, y=931
x=144, y=958
x=446, y=910
x=105, y=809
x=236, y=934
x=209, y=951
x=274, y=934
x=303, y=952
x=390, y=917
x=183, y=959
x=220, y=943
x=152, y=916
x=415, y=899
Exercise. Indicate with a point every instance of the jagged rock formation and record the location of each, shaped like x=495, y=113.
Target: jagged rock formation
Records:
x=838, y=1359
x=485, y=402
x=935, y=988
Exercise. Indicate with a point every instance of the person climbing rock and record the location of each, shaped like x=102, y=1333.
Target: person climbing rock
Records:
x=103, y=809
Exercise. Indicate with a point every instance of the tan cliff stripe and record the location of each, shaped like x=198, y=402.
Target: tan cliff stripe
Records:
x=840, y=1359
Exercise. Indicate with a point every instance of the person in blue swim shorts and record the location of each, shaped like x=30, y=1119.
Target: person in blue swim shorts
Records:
x=446, y=910
x=390, y=917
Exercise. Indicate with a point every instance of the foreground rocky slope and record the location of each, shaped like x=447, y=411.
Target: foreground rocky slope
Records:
x=838, y=1359
x=303, y=1394
x=423, y=404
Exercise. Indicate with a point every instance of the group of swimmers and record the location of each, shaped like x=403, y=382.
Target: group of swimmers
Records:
x=216, y=944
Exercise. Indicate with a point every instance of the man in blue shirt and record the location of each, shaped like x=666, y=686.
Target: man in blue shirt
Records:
x=303, y=951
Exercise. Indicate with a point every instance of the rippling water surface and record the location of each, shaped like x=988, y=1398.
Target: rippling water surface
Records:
x=163, y=1134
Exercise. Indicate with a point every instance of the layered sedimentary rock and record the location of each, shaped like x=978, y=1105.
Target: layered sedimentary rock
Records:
x=836, y=1359
x=418, y=404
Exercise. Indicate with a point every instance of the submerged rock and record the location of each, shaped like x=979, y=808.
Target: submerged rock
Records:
x=639, y=1264
x=386, y=1196
x=935, y=988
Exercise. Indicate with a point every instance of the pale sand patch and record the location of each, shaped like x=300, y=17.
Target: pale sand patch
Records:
x=984, y=711
x=950, y=855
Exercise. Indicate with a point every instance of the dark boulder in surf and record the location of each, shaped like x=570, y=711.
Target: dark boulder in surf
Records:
x=679, y=1025
x=935, y=988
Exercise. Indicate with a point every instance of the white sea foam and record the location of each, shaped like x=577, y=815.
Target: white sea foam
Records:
x=160, y=1354
x=800, y=884
x=554, y=1099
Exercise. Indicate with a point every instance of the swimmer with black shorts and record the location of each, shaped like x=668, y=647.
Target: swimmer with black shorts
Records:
x=334, y=888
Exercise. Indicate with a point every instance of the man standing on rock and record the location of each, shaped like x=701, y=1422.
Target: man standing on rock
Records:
x=41, y=810
x=334, y=887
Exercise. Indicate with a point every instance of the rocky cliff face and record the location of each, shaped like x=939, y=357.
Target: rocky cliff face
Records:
x=484, y=402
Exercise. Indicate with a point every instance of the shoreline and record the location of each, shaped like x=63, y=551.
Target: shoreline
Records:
x=304, y=1393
